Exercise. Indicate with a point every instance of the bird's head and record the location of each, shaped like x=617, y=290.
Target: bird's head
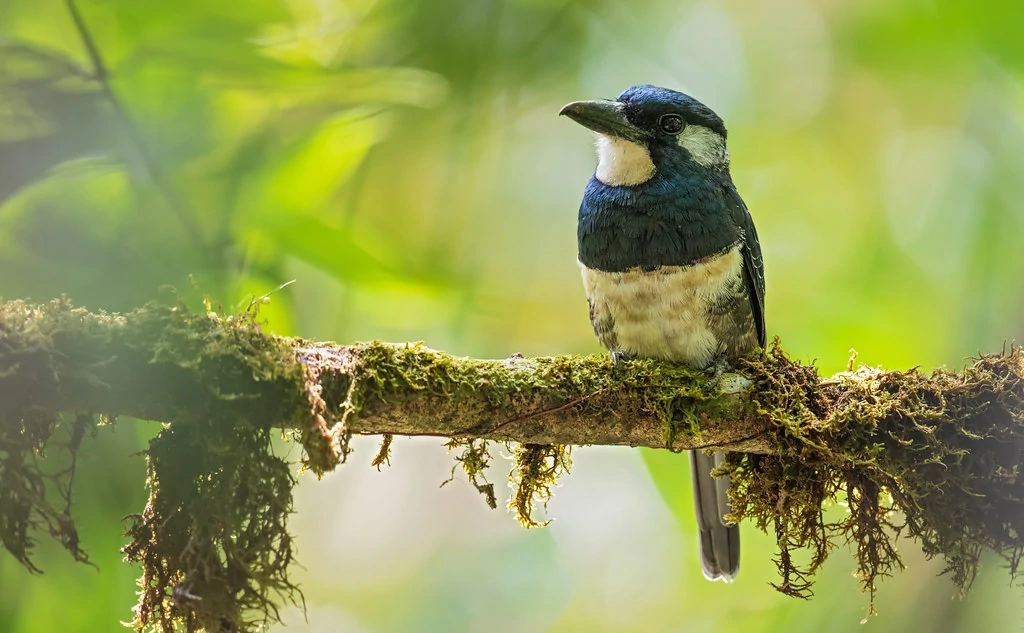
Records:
x=648, y=130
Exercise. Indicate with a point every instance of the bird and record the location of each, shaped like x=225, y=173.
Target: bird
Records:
x=670, y=260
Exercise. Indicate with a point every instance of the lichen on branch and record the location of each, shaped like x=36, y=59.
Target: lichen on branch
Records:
x=935, y=457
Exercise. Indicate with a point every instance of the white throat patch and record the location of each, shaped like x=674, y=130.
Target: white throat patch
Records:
x=621, y=162
x=706, y=147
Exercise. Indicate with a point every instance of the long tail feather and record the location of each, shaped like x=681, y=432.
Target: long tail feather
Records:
x=719, y=541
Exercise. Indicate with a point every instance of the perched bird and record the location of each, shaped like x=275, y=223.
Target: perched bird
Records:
x=670, y=260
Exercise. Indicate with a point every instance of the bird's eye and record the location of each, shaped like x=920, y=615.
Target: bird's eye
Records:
x=671, y=123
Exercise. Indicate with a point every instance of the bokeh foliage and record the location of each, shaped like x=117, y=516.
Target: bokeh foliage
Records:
x=402, y=161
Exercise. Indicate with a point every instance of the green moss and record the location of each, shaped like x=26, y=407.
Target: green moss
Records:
x=27, y=506
x=385, y=373
x=213, y=541
x=474, y=458
x=910, y=454
x=534, y=476
x=35, y=500
x=388, y=373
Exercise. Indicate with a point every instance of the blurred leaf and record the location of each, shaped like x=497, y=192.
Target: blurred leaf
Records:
x=312, y=170
x=894, y=37
x=327, y=248
x=87, y=225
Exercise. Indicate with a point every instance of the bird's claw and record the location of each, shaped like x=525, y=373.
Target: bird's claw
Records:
x=715, y=371
x=618, y=357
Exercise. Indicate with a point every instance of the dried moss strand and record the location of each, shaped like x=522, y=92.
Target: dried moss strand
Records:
x=384, y=452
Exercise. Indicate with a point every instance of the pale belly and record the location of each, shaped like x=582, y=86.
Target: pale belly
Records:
x=688, y=314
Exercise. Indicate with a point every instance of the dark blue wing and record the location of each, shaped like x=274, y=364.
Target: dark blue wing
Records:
x=753, y=263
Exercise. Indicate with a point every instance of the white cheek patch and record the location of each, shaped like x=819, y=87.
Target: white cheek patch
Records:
x=706, y=147
x=621, y=162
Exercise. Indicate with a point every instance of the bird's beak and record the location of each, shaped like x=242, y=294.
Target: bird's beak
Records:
x=604, y=117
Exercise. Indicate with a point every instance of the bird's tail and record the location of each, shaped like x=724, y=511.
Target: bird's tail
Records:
x=719, y=541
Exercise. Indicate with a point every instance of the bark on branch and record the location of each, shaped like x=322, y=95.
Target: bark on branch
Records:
x=943, y=449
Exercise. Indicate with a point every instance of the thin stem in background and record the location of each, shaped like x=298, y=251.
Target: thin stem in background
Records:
x=179, y=206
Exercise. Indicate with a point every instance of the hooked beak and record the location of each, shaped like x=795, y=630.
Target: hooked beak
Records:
x=605, y=117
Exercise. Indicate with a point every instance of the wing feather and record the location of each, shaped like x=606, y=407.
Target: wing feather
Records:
x=753, y=263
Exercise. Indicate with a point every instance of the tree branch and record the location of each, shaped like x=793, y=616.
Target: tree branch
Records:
x=164, y=364
x=936, y=457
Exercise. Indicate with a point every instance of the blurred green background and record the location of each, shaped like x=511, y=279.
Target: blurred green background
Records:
x=403, y=162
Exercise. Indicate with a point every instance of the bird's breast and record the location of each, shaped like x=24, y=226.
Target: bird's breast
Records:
x=684, y=314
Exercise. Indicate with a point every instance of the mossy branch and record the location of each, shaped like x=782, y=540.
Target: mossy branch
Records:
x=943, y=449
x=166, y=364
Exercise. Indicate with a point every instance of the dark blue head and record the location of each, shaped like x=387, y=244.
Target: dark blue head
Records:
x=662, y=194
x=650, y=130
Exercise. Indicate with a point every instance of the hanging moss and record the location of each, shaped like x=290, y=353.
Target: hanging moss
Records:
x=26, y=508
x=384, y=452
x=934, y=458
x=213, y=541
x=474, y=458
x=534, y=477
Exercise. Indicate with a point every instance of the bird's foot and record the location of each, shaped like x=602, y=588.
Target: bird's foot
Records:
x=618, y=357
x=718, y=367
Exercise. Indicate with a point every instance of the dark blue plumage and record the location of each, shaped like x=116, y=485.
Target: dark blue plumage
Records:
x=670, y=258
x=673, y=219
x=644, y=104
